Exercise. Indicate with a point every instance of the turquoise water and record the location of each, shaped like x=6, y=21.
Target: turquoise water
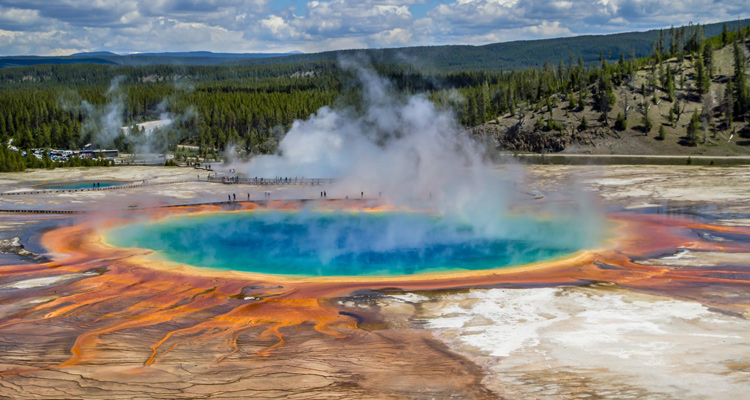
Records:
x=80, y=185
x=345, y=244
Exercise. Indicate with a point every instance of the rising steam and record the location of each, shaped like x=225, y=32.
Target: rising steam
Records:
x=402, y=147
x=104, y=123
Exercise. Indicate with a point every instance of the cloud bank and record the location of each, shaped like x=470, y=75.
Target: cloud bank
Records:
x=123, y=26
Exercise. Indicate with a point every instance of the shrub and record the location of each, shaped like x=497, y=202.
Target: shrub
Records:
x=621, y=123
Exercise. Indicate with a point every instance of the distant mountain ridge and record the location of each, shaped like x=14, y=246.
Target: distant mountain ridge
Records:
x=197, y=54
x=518, y=54
x=140, y=59
x=94, y=53
x=496, y=56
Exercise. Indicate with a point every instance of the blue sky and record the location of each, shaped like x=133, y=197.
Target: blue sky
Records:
x=58, y=27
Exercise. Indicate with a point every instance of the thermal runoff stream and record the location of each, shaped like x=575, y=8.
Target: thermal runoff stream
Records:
x=306, y=243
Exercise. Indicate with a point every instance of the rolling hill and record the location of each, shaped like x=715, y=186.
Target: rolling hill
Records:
x=496, y=56
x=204, y=58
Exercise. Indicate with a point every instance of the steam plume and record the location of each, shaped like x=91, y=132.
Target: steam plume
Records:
x=402, y=146
x=104, y=123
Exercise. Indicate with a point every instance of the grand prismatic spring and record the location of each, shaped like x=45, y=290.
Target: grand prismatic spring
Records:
x=311, y=243
x=413, y=267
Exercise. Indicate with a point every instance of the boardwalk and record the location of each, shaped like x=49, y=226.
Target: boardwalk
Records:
x=91, y=189
x=205, y=203
x=211, y=179
x=234, y=180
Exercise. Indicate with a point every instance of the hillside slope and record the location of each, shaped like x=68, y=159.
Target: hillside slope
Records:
x=527, y=130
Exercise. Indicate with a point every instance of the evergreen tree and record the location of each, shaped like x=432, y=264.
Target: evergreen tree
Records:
x=3, y=131
x=701, y=76
x=485, y=94
x=742, y=93
x=605, y=97
x=739, y=60
x=471, y=111
x=681, y=44
x=677, y=110
x=708, y=57
x=481, y=108
x=662, y=133
x=692, y=129
x=621, y=123
x=581, y=99
x=695, y=43
x=670, y=87
x=724, y=35
x=647, y=124
x=728, y=105
x=571, y=100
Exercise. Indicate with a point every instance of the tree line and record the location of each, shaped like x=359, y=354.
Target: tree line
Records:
x=251, y=107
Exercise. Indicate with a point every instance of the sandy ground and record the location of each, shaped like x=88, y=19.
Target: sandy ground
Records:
x=594, y=342
x=713, y=190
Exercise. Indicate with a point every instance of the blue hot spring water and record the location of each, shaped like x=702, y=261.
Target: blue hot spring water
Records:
x=308, y=243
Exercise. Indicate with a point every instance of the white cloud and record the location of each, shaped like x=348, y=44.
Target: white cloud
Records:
x=393, y=37
x=20, y=19
x=53, y=27
x=280, y=29
x=548, y=29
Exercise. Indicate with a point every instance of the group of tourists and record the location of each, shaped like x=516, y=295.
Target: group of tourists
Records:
x=232, y=198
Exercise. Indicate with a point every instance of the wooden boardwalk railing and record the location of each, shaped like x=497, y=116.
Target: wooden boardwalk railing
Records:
x=234, y=180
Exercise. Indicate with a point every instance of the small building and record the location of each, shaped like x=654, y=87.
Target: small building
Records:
x=99, y=153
